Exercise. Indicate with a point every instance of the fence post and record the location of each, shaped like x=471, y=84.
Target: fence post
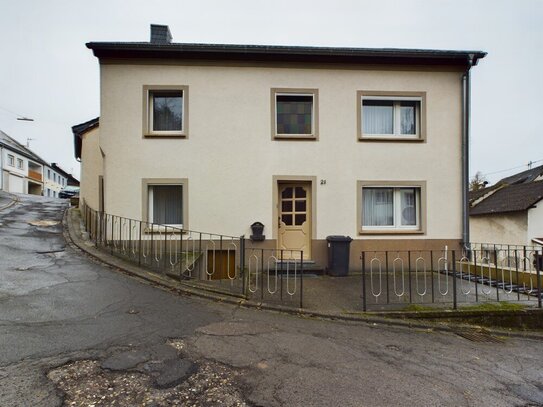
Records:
x=409, y=274
x=301, y=279
x=139, y=247
x=364, y=305
x=538, y=271
x=242, y=264
x=96, y=229
x=455, y=305
x=496, y=269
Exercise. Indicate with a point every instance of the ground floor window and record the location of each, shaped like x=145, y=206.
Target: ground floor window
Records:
x=391, y=207
x=166, y=204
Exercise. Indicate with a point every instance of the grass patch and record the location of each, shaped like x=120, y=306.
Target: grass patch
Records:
x=495, y=306
x=418, y=308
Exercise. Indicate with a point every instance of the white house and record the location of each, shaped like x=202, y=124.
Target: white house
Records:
x=310, y=141
x=511, y=211
x=21, y=169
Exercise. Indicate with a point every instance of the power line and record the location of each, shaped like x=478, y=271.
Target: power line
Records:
x=512, y=168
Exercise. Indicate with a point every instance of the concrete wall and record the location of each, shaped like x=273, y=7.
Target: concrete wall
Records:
x=229, y=157
x=535, y=222
x=507, y=228
x=91, y=167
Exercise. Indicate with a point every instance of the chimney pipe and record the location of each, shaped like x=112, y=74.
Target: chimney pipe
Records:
x=160, y=34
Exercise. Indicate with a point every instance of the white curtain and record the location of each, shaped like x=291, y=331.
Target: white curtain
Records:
x=408, y=117
x=409, y=212
x=378, y=117
x=168, y=204
x=378, y=206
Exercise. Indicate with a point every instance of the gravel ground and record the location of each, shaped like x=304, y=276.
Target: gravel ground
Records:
x=86, y=383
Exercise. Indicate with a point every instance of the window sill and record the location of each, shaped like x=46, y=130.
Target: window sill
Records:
x=296, y=137
x=391, y=232
x=165, y=135
x=392, y=139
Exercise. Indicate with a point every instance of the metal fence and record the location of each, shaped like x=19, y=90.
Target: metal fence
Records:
x=220, y=263
x=482, y=274
x=386, y=280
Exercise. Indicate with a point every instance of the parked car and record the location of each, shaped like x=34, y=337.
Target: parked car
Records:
x=68, y=192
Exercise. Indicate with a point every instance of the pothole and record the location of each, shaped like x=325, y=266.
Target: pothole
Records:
x=44, y=222
x=88, y=383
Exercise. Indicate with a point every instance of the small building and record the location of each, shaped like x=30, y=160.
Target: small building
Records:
x=21, y=170
x=510, y=211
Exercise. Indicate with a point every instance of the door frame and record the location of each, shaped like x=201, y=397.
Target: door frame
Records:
x=285, y=179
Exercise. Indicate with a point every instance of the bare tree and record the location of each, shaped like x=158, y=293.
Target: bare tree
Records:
x=477, y=182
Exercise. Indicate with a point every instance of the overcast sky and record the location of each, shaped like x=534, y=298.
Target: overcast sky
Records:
x=48, y=74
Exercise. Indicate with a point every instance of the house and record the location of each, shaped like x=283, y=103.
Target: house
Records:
x=55, y=180
x=21, y=170
x=310, y=141
x=87, y=151
x=510, y=211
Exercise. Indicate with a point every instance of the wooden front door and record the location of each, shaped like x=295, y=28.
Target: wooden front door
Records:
x=294, y=221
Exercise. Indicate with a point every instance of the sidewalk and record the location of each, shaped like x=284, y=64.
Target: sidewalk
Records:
x=7, y=200
x=330, y=302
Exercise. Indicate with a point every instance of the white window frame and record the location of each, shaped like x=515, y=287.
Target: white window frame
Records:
x=148, y=92
x=20, y=164
x=397, y=122
x=397, y=208
x=150, y=214
x=11, y=160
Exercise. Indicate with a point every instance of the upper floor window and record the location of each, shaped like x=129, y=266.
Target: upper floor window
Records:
x=11, y=160
x=385, y=116
x=294, y=113
x=165, y=111
x=48, y=174
x=20, y=163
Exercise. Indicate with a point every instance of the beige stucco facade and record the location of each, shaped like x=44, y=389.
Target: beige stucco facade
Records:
x=232, y=166
x=91, y=168
x=507, y=228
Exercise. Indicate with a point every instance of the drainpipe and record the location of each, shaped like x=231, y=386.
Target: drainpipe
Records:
x=466, y=106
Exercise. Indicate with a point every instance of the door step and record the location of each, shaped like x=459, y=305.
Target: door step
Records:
x=308, y=266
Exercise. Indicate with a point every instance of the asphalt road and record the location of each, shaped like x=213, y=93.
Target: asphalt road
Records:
x=74, y=331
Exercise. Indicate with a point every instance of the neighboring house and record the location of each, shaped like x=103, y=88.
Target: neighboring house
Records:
x=21, y=170
x=87, y=150
x=509, y=212
x=311, y=142
x=55, y=180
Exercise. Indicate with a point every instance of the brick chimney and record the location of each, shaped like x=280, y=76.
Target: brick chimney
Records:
x=160, y=34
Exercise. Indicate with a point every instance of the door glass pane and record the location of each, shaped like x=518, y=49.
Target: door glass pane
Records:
x=167, y=111
x=300, y=206
x=167, y=204
x=300, y=219
x=378, y=117
x=300, y=192
x=409, y=210
x=286, y=206
x=287, y=219
x=287, y=193
x=408, y=119
x=294, y=114
x=378, y=206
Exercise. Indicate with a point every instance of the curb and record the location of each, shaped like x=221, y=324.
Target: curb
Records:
x=70, y=235
x=14, y=200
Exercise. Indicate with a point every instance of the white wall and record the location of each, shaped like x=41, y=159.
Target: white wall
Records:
x=535, y=222
x=53, y=182
x=229, y=157
x=507, y=228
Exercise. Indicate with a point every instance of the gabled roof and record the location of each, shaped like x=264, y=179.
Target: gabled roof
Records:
x=512, y=198
x=267, y=53
x=12, y=144
x=80, y=129
x=523, y=177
